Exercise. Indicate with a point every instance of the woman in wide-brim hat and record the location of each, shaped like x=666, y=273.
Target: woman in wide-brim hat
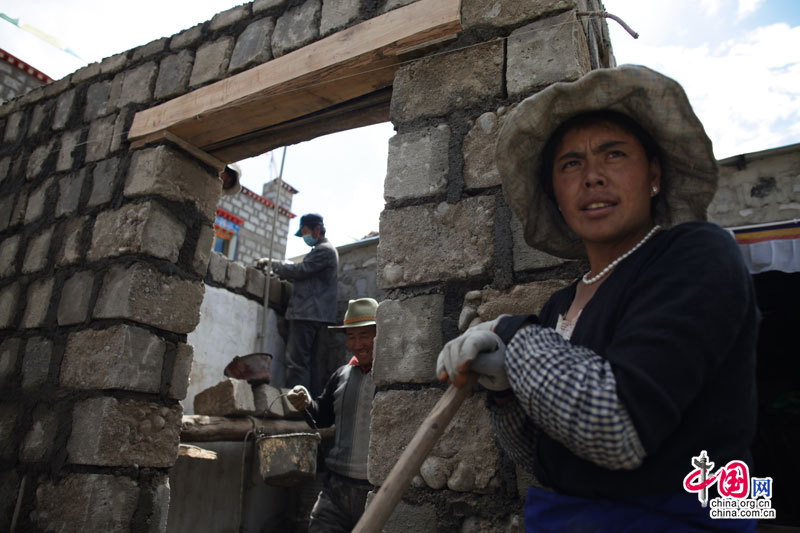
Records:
x=648, y=359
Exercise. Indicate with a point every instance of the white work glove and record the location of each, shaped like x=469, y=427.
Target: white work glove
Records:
x=479, y=350
x=263, y=262
x=299, y=397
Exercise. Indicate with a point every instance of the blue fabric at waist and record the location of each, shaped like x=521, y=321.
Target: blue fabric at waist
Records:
x=548, y=511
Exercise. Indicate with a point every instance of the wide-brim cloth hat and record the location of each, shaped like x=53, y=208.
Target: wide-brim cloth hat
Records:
x=359, y=313
x=657, y=103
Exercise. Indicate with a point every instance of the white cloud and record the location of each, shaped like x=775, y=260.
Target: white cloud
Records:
x=748, y=7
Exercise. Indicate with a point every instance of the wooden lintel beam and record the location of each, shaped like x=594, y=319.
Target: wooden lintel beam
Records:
x=203, y=156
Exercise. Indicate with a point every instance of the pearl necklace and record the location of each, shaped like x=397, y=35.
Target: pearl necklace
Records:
x=588, y=281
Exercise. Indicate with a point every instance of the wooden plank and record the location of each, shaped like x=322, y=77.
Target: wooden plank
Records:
x=201, y=428
x=350, y=63
x=196, y=452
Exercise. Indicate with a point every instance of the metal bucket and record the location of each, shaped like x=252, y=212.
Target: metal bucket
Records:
x=253, y=367
x=288, y=460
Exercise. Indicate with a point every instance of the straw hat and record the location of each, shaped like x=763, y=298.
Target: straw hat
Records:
x=359, y=312
x=657, y=103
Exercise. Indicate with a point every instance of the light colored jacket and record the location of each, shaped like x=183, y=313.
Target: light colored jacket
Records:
x=314, y=284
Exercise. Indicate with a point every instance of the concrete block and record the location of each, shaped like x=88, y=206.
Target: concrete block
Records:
x=37, y=252
x=49, y=90
x=480, y=170
x=103, y=182
x=203, y=251
x=10, y=415
x=159, y=495
x=150, y=49
x=211, y=61
x=8, y=256
x=109, y=432
x=85, y=73
x=38, y=117
x=7, y=204
x=268, y=402
x=38, y=158
x=439, y=84
x=409, y=339
x=186, y=37
x=34, y=208
x=546, y=52
x=264, y=5
x=38, y=442
x=419, y=518
x=505, y=14
x=69, y=140
x=5, y=165
x=142, y=294
x=73, y=307
x=296, y=28
x=394, y=4
x=40, y=294
x=229, y=17
x=36, y=362
x=137, y=85
x=173, y=74
x=181, y=369
x=9, y=302
x=529, y=298
x=254, y=45
x=120, y=357
x=338, y=14
x=97, y=104
x=256, y=282
x=14, y=126
x=141, y=228
x=527, y=258
x=113, y=64
x=451, y=242
x=21, y=207
x=69, y=193
x=167, y=172
x=218, y=267
x=101, y=133
x=69, y=251
x=288, y=409
x=229, y=397
x=86, y=502
x=466, y=451
x=417, y=164
x=9, y=354
x=236, y=276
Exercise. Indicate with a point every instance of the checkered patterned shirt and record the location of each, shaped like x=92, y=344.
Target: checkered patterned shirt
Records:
x=569, y=392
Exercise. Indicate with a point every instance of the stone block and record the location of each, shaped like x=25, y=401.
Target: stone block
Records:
x=202, y=253
x=211, y=61
x=137, y=85
x=109, y=432
x=451, y=242
x=38, y=117
x=254, y=45
x=103, y=181
x=101, y=133
x=73, y=307
x=229, y=17
x=289, y=410
x=86, y=502
x=69, y=140
x=69, y=193
x=526, y=257
x=264, y=5
x=186, y=37
x=504, y=14
x=120, y=357
x=38, y=442
x=140, y=228
x=14, y=126
x=480, y=170
x=229, y=397
x=38, y=158
x=297, y=27
x=40, y=294
x=546, y=52
x=142, y=294
x=69, y=251
x=466, y=452
x=21, y=207
x=34, y=207
x=159, y=496
x=10, y=415
x=85, y=73
x=437, y=85
x=113, y=64
x=236, y=276
x=173, y=74
x=5, y=165
x=394, y=4
x=419, y=518
x=167, y=172
x=255, y=284
x=417, y=164
x=150, y=49
x=218, y=267
x=36, y=362
x=7, y=204
x=338, y=14
x=8, y=256
x=97, y=104
x=37, y=252
x=9, y=353
x=181, y=369
x=9, y=296
x=488, y=304
x=409, y=339
x=268, y=402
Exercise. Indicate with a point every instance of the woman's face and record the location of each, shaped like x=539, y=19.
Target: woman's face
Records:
x=602, y=181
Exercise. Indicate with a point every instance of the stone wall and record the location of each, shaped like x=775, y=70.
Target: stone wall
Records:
x=104, y=252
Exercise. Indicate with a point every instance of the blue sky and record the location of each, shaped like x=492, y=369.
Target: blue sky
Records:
x=739, y=61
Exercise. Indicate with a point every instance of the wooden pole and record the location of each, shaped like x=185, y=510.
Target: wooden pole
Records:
x=201, y=428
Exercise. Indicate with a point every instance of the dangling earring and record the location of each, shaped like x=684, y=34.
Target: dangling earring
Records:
x=653, y=190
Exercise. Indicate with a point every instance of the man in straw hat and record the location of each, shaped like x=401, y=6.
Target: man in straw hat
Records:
x=634, y=381
x=347, y=402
